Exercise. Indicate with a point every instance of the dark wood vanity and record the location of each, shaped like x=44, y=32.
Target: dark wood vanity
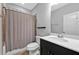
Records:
x=49, y=48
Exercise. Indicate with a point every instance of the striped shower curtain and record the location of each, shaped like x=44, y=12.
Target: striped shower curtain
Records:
x=19, y=29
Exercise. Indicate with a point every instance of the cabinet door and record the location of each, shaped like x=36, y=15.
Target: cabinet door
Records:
x=44, y=47
x=44, y=50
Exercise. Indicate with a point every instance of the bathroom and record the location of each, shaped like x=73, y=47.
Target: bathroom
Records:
x=39, y=29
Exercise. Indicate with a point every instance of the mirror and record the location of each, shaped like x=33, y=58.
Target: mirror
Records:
x=65, y=19
x=71, y=23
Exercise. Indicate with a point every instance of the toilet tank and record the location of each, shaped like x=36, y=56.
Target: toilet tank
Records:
x=38, y=39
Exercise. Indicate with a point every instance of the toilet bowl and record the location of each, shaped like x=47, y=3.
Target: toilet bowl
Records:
x=33, y=47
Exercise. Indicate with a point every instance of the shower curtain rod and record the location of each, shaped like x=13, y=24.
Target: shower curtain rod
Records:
x=17, y=11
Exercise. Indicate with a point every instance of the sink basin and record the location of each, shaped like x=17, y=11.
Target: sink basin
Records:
x=59, y=39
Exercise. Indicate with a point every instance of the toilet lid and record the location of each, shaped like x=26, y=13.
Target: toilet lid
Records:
x=32, y=45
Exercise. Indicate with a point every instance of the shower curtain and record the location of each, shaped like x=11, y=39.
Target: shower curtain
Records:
x=19, y=29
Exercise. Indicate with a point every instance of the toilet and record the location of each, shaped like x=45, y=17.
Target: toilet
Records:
x=34, y=47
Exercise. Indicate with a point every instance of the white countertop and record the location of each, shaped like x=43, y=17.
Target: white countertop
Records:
x=70, y=43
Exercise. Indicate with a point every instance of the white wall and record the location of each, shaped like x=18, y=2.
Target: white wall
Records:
x=0, y=29
x=43, y=14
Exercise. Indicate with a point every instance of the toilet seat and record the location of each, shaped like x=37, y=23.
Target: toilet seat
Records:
x=32, y=46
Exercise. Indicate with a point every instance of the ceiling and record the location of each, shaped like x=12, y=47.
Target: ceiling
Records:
x=29, y=6
x=57, y=6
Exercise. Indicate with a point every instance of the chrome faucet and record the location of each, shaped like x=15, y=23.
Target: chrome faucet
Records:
x=60, y=35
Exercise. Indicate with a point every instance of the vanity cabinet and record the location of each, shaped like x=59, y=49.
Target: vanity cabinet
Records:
x=48, y=48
